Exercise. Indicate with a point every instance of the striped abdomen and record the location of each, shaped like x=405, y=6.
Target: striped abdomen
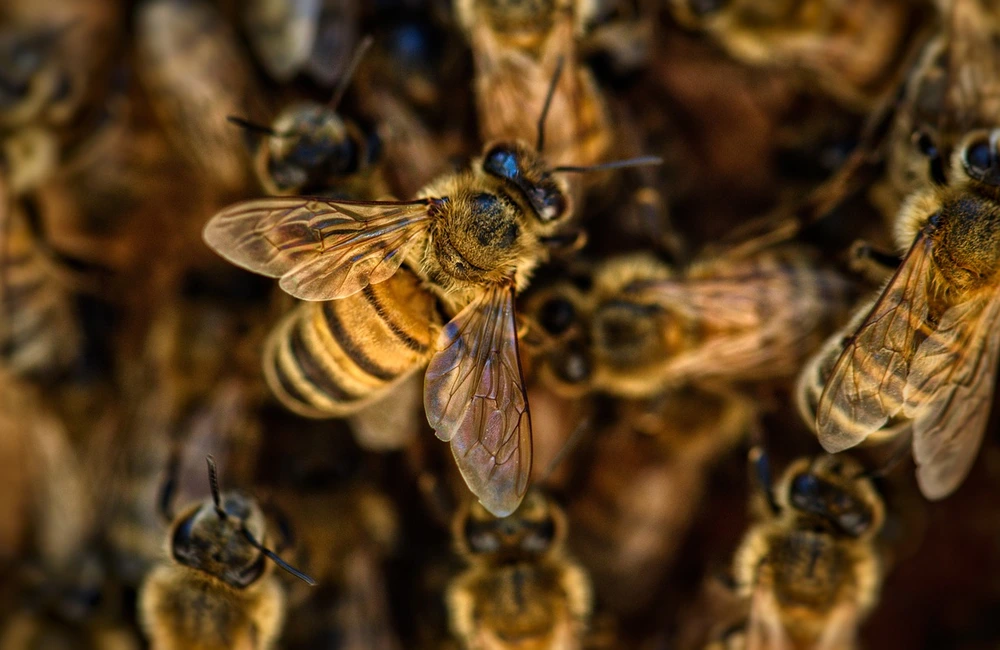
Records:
x=328, y=359
x=39, y=333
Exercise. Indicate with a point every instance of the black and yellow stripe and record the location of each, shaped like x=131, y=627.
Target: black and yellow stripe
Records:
x=39, y=332
x=328, y=359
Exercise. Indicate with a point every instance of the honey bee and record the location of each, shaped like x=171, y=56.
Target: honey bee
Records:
x=310, y=149
x=311, y=36
x=810, y=565
x=517, y=48
x=520, y=589
x=923, y=356
x=852, y=50
x=646, y=329
x=217, y=591
x=470, y=240
x=39, y=332
x=666, y=449
x=54, y=60
x=190, y=62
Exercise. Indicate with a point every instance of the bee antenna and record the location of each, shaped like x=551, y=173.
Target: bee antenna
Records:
x=571, y=442
x=213, y=483
x=277, y=560
x=641, y=161
x=352, y=67
x=253, y=127
x=548, y=102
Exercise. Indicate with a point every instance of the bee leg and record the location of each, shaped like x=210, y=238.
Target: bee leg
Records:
x=870, y=262
x=168, y=489
x=760, y=469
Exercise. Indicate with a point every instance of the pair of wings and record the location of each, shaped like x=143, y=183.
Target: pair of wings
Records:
x=474, y=392
x=938, y=370
x=760, y=321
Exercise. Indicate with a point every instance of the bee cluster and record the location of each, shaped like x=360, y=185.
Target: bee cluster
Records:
x=499, y=324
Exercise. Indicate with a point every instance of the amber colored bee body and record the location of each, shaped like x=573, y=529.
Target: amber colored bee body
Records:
x=331, y=358
x=648, y=330
x=473, y=239
x=810, y=565
x=520, y=590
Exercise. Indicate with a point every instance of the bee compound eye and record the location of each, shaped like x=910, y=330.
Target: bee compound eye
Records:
x=977, y=157
x=703, y=8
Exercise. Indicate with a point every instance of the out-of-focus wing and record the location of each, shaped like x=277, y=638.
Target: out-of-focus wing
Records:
x=761, y=324
x=866, y=385
x=321, y=250
x=474, y=397
x=949, y=391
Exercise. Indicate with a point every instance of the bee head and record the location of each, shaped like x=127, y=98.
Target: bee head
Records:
x=220, y=537
x=525, y=172
x=309, y=145
x=213, y=541
x=532, y=530
x=835, y=490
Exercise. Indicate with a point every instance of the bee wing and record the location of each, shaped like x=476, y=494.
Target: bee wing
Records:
x=756, y=328
x=841, y=628
x=321, y=250
x=866, y=384
x=474, y=397
x=948, y=394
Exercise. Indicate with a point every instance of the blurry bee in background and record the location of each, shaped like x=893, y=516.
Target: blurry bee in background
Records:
x=647, y=329
x=47, y=506
x=851, y=50
x=217, y=590
x=54, y=60
x=810, y=565
x=517, y=48
x=39, y=333
x=520, y=589
x=315, y=37
x=310, y=149
x=474, y=238
x=630, y=517
x=191, y=65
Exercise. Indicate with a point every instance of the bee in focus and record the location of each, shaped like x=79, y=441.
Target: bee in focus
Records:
x=217, y=590
x=810, y=565
x=852, y=50
x=926, y=350
x=470, y=241
x=645, y=329
x=921, y=358
x=310, y=149
x=190, y=62
x=517, y=48
x=520, y=589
